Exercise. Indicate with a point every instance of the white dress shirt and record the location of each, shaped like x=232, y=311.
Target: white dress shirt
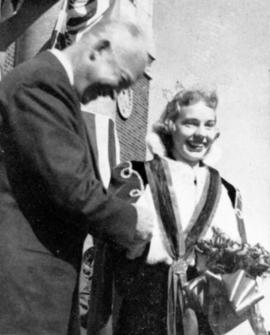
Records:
x=66, y=64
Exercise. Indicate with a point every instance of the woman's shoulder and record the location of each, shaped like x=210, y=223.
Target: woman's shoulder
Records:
x=226, y=185
x=233, y=193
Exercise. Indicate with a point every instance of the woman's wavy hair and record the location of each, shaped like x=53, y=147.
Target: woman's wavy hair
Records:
x=164, y=126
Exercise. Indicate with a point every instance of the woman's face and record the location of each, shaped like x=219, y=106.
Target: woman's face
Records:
x=194, y=133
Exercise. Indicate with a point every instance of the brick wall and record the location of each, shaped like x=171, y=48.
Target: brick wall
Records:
x=132, y=131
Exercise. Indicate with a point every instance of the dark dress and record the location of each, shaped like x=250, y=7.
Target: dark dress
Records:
x=144, y=306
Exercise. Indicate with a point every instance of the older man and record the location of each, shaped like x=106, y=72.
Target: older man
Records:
x=51, y=195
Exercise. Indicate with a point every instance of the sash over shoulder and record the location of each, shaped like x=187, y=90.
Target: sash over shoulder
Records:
x=180, y=319
x=128, y=182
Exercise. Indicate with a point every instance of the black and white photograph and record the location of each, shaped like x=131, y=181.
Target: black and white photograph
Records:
x=134, y=176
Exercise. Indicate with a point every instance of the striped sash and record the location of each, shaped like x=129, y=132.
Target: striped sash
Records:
x=180, y=320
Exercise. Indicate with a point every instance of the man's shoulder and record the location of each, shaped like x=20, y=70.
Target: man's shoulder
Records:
x=229, y=187
x=44, y=67
x=44, y=76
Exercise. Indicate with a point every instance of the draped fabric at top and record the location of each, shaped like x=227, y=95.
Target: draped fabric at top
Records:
x=74, y=17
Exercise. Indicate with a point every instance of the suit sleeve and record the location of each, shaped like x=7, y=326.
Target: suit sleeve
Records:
x=46, y=135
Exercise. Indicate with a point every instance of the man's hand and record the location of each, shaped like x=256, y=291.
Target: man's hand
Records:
x=144, y=231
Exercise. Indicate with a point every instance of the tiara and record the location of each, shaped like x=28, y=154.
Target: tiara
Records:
x=168, y=94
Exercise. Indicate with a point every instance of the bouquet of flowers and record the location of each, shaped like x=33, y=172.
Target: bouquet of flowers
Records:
x=224, y=255
x=226, y=291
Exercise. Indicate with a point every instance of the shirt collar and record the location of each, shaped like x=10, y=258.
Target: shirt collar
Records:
x=66, y=64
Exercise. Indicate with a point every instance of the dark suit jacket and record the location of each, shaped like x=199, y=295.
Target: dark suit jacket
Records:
x=50, y=198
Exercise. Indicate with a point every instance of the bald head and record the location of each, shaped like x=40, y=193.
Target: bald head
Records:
x=107, y=28
x=126, y=40
x=106, y=25
x=111, y=55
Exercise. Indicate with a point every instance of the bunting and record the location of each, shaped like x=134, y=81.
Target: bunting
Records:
x=74, y=18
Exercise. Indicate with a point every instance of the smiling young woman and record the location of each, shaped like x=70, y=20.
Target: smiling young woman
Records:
x=187, y=198
x=187, y=127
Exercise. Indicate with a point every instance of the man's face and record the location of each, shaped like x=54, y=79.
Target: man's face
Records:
x=130, y=60
x=118, y=66
x=195, y=131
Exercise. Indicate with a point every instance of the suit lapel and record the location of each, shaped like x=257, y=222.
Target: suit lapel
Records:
x=90, y=128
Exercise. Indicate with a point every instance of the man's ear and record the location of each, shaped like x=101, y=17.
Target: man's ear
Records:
x=99, y=47
x=102, y=45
